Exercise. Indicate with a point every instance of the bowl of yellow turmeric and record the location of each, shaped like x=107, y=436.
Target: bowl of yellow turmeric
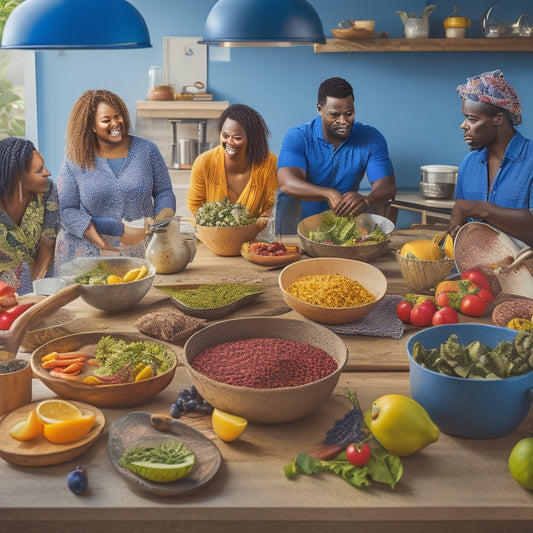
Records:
x=332, y=290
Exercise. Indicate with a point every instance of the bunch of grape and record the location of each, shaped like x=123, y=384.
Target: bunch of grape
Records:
x=188, y=401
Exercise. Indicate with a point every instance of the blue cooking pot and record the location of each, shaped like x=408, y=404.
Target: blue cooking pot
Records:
x=469, y=408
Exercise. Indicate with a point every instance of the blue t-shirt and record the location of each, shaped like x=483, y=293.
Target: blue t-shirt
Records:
x=364, y=151
x=513, y=184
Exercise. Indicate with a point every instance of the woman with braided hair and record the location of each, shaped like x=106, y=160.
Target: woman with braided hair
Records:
x=29, y=214
x=106, y=176
x=241, y=168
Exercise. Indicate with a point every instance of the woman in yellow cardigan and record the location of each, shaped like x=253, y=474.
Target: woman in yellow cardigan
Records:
x=241, y=168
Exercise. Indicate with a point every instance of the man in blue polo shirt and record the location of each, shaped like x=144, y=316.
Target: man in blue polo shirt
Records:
x=495, y=180
x=322, y=162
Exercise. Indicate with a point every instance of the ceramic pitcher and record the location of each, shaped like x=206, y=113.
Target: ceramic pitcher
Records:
x=169, y=250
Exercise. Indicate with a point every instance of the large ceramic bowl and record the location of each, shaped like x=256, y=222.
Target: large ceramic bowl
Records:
x=226, y=241
x=361, y=252
x=469, y=408
x=116, y=395
x=117, y=297
x=367, y=275
x=266, y=406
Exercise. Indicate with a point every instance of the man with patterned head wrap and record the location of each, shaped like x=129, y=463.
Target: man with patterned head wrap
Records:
x=495, y=180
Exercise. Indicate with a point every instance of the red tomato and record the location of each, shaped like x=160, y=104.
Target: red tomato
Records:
x=403, y=310
x=6, y=290
x=476, y=276
x=485, y=295
x=472, y=305
x=442, y=299
x=358, y=455
x=8, y=317
x=446, y=315
x=422, y=314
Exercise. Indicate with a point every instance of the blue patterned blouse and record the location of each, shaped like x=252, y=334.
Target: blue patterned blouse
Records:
x=141, y=189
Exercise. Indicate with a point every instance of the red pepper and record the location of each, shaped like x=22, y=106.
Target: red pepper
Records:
x=8, y=317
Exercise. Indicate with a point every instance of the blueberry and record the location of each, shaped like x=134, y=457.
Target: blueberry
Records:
x=77, y=480
x=191, y=405
x=175, y=410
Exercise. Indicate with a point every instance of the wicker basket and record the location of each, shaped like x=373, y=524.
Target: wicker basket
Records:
x=421, y=276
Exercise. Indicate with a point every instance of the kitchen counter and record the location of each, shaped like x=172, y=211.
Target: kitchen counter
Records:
x=452, y=485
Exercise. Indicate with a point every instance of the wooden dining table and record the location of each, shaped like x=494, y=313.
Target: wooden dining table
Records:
x=454, y=484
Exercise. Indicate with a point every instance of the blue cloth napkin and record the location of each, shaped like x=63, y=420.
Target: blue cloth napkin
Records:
x=382, y=321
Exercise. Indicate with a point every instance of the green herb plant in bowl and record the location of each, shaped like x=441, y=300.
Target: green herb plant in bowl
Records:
x=223, y=227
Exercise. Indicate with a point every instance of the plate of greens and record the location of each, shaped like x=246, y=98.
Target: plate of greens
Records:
x=159, y=440
x=211, y=301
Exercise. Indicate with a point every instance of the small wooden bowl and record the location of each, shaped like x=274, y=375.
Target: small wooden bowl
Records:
x=115, y=395
x=15, y=387
x=293, y=254
x=226, y=241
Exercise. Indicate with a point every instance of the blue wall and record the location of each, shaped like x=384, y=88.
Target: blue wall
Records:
x=410, y=97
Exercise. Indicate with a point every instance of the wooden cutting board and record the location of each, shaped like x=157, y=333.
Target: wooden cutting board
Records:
x=39, y=451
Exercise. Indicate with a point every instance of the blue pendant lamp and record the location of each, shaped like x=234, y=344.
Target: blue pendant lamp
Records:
x=75, y=24
x=263, y=23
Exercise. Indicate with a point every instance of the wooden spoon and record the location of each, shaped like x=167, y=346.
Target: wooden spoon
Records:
x=10, y=339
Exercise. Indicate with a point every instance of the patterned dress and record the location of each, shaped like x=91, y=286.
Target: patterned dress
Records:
x=19, y=244
x=141, y=188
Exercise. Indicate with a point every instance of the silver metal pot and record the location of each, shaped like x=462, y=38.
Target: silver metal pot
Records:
x=438, y=181
x=184, y=152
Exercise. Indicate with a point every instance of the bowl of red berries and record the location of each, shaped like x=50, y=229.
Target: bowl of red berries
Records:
x=270, y=253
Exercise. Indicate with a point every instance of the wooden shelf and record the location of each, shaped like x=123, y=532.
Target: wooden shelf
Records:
x=181, y=109
x=518, y=44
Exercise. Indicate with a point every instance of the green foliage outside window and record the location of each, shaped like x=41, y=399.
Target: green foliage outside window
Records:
x=12, y=119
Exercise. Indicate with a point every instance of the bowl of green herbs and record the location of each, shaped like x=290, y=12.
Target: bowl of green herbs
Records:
x=223, y=227
x=364, y=238
x=110, y=375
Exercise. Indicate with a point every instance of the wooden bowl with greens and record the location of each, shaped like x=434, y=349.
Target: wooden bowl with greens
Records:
x=116, y=380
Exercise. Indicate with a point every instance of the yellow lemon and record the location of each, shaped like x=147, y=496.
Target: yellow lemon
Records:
x=132, y=274
x=226, y=426
x=53, y=411
x=145, y=373
x=113, y=280
x=142, y=273
x=421, y=249
x=521, y=462
x=69, y=430
x=27, y=429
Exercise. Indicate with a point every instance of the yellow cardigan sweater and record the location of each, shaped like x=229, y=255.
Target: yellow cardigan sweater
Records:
x=209, y=184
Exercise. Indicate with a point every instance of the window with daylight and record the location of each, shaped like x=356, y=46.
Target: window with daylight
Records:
x=17, y=86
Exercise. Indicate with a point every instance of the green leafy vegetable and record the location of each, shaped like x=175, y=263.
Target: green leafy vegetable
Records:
x=113, y=355
x=382, y=467
x=96, y=276
x=476, y=360
x=223, y=213
x=344, y=231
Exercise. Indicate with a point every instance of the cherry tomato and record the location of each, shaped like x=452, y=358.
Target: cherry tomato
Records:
x=422, y=314
x=485, y=295
x=446, y=315
x=476, y=276
x=442, y=299
x=358, y=455
x=472, y=305
x=403, y=310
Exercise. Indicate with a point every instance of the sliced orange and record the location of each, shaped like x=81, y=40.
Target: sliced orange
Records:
x=113, y=280
x=226, y=426
x=69, y=430
x=27, y=429
x=52, y=411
